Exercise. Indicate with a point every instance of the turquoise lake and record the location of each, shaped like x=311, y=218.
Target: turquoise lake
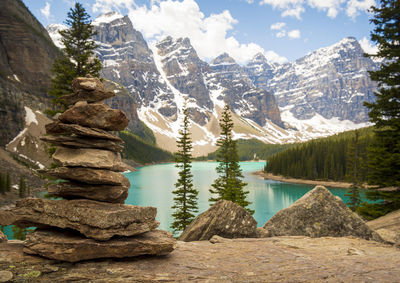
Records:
x=153, y=185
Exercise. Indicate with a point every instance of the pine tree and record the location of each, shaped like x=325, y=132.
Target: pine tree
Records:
x=384, y=154
x=22, y=187
x=185, y=200
x=354, y=172
x=229, y=185
x=78, y=58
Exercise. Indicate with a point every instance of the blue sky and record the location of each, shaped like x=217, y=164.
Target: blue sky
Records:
x=284, y=30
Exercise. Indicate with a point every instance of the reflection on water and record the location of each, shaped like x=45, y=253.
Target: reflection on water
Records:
x=153, y=186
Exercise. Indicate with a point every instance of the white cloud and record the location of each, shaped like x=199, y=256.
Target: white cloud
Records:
x=294, y=8
x=355, y=6
x=294, y=34
x=278, y=26
x=367, y=46
x=250, y=1
x=208, y=35
x=281, y=34
x=46, y=10
x=274, y=57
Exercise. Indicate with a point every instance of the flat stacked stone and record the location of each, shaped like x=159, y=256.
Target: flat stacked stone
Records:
x=91, y=221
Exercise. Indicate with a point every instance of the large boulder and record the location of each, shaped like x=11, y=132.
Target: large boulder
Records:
x=388, y=227
x=318, y=214
x=106, y=193
x=225, y=219
x=57, y=128
x=82, y=142
x=96, y=220
x=95, y=115
x=72, y=247
x=3, y=238
x=87, y=175
x=88, y=157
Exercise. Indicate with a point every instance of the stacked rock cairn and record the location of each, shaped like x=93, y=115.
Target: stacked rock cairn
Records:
x=91, y=220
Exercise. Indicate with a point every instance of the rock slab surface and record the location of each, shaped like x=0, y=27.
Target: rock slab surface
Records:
x=105, y=193
x=276, y=259
x=67, y=246
x=225, y=219
x=388, y=227
x=96, y=220
x=88, y=157
x=81, y=142
x=95, y=115
x=319, y=214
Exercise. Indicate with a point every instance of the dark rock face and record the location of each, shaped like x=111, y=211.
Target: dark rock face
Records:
x=95, y=115
x=26, y=56
x=331, y=81
x=105, y=193
x=319, y=214
x=67, y=246
x=225, y=219
x=93, y=219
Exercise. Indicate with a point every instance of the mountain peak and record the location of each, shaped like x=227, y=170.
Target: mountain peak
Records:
x=107, y=18
x=259, y=57
x=223, y=59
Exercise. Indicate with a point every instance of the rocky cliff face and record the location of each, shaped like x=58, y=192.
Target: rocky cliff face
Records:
x=26, y=57
x=331, y=82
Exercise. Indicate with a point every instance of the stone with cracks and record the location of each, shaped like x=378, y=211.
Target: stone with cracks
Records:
x=87, y=175
x=388, y=227
x=57, y=128
x=81, y=142
x=67, y=246
x=94, y=219
x=318, y=214
x=95, y=115
x=88, y=157
x=88, y=96
x=106, y=193
x=225, y=219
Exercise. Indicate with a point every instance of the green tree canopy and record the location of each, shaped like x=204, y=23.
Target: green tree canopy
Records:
x=384, y=154
x=229, y=185
x=78, y=56
x=185, y=200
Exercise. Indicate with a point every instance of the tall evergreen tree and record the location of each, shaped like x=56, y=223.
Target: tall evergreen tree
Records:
x=229, y=185
x=3, y=188
x=185, y=200
x=8, y=182
x=384, y=154
x=78, y=58
x=22, y=187
x=354, y=172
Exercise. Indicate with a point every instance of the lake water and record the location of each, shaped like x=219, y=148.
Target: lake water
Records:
x=153, y=185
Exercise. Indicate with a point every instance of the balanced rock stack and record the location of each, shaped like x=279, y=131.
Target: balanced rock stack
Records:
x=91, y=221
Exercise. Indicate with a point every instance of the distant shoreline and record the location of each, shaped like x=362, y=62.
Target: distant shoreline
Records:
x=269, y=176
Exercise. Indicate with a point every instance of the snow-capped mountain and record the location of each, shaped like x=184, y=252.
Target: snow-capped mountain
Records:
x=159, y=79
x=331, y=84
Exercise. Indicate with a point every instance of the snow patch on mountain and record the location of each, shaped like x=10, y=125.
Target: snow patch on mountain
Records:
x=107, y=18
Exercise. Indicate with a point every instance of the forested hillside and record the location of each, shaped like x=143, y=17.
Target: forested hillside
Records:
x=322, y=159
x=143, y=151
x=252, y=149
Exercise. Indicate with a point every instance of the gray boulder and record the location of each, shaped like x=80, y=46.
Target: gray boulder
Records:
x=318, y=214
x=72, y=247
x=82, y=142
x=225, y=219
x=97, y=220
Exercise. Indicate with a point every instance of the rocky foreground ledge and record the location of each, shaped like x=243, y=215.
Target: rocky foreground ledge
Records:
x=276, y=259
